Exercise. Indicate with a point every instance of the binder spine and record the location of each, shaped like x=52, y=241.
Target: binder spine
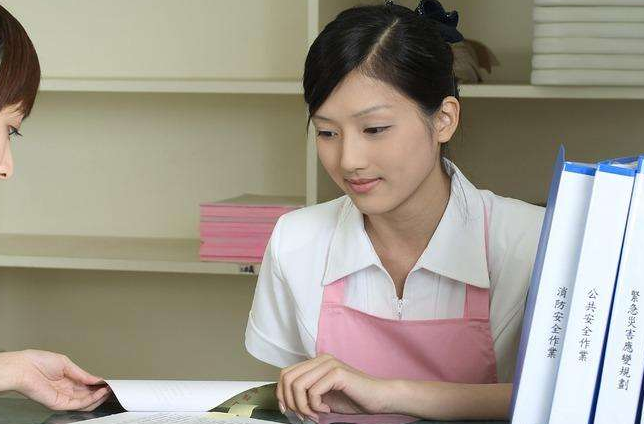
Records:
x=550, y=290
x=623, y=365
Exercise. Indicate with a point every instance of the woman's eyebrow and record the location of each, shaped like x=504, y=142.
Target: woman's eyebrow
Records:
x=357, y=114
x=369, y=110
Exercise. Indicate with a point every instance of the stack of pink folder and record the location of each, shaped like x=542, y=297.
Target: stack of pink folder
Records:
x=238, y=229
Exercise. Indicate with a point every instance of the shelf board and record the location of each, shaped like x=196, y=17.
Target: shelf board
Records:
x=144, y=85
x=294, y=87
x=111, y=254
x=527, y=91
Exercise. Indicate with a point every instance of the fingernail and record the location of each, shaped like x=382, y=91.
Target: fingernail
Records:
x=282, y=409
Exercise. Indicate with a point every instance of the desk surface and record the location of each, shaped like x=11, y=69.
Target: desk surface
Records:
x=21, y=411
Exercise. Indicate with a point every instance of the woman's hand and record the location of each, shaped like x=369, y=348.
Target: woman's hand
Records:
x=325, y=384
x=52, y=380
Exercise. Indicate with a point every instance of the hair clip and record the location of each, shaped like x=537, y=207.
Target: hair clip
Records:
x=447, y=21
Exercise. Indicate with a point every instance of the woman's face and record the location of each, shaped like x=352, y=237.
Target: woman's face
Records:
x=10, y=120
x=376, y=144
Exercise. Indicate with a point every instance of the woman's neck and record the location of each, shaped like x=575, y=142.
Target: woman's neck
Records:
x=401, y=235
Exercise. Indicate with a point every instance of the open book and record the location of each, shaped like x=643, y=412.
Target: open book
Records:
x=189, y=402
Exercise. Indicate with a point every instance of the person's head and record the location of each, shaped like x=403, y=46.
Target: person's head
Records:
x=381, y=93
x=19, y=81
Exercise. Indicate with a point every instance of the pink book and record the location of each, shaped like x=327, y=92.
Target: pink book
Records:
x=239, y=219
x=236, y=259
x=252, y=206
x=248, y=229
x=244, y=212
x=235, y=241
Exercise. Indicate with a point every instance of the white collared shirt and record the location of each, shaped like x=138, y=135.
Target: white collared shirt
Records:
x=317, y=245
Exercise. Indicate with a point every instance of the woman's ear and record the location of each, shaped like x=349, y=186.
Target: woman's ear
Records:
x=446, y=119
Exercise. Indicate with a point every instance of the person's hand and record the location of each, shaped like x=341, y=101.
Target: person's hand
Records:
x=55, y=381
x=325, y=384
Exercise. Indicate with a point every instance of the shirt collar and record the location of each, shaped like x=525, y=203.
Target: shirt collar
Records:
x=457, y=249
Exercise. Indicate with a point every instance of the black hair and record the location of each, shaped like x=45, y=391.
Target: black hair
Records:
x=390, y=43
x=19, y=66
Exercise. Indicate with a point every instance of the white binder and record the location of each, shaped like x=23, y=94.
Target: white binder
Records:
x=550, y=291
x=592, y=294
x=623, y=364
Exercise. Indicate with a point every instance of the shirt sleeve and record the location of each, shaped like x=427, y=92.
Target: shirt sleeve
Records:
x=517, y=238
x=506, y=347
x=272, y=334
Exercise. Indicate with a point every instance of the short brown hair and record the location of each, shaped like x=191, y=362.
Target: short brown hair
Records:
x=19, y=66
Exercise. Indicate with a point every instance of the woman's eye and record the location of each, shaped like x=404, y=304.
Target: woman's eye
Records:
x=325, y=134
x=376, y=130
x=14, y=131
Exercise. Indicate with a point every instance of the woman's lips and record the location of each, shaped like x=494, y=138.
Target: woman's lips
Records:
x=362, y=186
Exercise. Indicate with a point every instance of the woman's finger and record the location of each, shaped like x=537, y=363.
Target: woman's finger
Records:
x=330, y=381
x=76, y=373
x=289, y=375
x=98, y=402
x=74, y=402
x=281, y=391
x=301, y=385
x=280, y=396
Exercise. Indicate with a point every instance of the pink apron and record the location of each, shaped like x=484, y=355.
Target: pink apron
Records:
x=458, y=350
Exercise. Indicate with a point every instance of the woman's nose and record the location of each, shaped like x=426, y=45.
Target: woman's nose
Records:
x=6, y=163
x=353, y=155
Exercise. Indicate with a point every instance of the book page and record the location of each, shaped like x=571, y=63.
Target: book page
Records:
x=181, y=396
x=173, y=418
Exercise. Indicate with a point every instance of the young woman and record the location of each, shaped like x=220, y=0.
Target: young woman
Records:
x=46, y=377
x=404, y=298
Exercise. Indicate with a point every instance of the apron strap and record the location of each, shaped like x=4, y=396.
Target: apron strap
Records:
x=486, y=233
x=334, y=293
x=477, y=302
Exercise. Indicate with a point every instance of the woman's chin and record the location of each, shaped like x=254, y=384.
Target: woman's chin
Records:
x=372, y=204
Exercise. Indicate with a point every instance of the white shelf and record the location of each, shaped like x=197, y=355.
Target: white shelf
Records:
x=173, y=86
x=290, y=87
x=526, y=91
x=111, y=254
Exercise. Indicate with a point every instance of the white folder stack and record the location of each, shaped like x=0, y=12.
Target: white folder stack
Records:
x=581, y=354
x=588, y=42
